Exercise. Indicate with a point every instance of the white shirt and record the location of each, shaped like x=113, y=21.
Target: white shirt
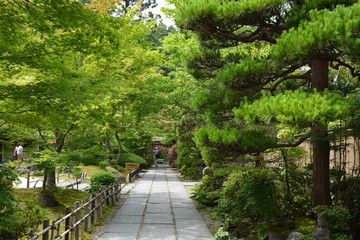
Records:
x=19, y=150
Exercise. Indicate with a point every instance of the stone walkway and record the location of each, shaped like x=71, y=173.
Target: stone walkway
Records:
x=157, y=208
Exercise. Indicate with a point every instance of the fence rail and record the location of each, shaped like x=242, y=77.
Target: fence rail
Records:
x=133, y=174
x=78, y=219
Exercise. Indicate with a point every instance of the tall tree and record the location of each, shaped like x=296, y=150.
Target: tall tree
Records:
x=252, y=46
x=55, y=58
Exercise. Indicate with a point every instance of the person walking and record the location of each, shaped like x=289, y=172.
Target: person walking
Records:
x=19, y=152
x=156, y=155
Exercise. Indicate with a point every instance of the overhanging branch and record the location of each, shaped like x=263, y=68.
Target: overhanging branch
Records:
x=306, y=76
x=353, y=71
x=295, y=144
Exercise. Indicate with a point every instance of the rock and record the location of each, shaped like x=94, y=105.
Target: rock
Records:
x=121, y=178
x=294, y=236
x=322, y=231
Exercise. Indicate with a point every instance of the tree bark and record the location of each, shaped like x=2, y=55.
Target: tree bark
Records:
x=51, y=175
x=108, y=146
x=117, y=137
x=286, y=166
x=319, y=139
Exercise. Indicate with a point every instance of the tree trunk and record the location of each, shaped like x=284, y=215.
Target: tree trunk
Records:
x=319, y=139
x=108, y=146
x=259, y=160
x=51, y=176
x=117, y=137
x=286, y=167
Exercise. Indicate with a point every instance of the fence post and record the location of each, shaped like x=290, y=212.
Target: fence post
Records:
x=98, y=203
x=67, y=222
x=93, y=208
x=28, y=177
x=83, y=219
x=32, y=233
x=112, y=197
x=106, y=193
x=116, y=187
x=45, y=225
x=53, y=228
x=77, y=218
x=87, y=222
x=119, y=190
x=58, y=229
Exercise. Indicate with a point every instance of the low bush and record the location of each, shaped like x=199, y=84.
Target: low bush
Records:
x=119, y=168
x=347, y=194
x=103, y=165
x=132, y=158
x=250, y=204
x=338, y=218
x=208, y=192
x=101, y=178
x=205, y=194
x=192, y=173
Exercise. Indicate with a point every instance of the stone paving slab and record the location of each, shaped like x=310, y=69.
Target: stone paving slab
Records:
x=126, y=219
x=117, y=236
x=158, y=200
x=191, y=228
x=157, y=218
x=159, y=208
x=131, y=211
x=123, y=227
x=187, y=213
x=163, y=232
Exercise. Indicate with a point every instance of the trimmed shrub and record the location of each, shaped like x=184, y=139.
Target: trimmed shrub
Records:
x=103, y=165
x=208, y=192
x=102, y=178
x=132, y=158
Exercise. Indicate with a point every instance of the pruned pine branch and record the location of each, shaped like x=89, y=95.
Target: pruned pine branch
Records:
x=295, y=144
x=339, y=63
x=305, y=76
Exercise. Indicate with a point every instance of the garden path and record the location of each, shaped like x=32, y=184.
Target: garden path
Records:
x=158, y=207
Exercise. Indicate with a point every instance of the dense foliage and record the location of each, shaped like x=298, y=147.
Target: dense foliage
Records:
x=7, y=204
x=275, y=74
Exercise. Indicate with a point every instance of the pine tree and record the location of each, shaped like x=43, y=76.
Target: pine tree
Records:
x=256, y=45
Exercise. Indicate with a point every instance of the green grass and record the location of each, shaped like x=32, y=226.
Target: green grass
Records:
x=65, y=197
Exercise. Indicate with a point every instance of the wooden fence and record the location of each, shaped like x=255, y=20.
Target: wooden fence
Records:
x=79, y=218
